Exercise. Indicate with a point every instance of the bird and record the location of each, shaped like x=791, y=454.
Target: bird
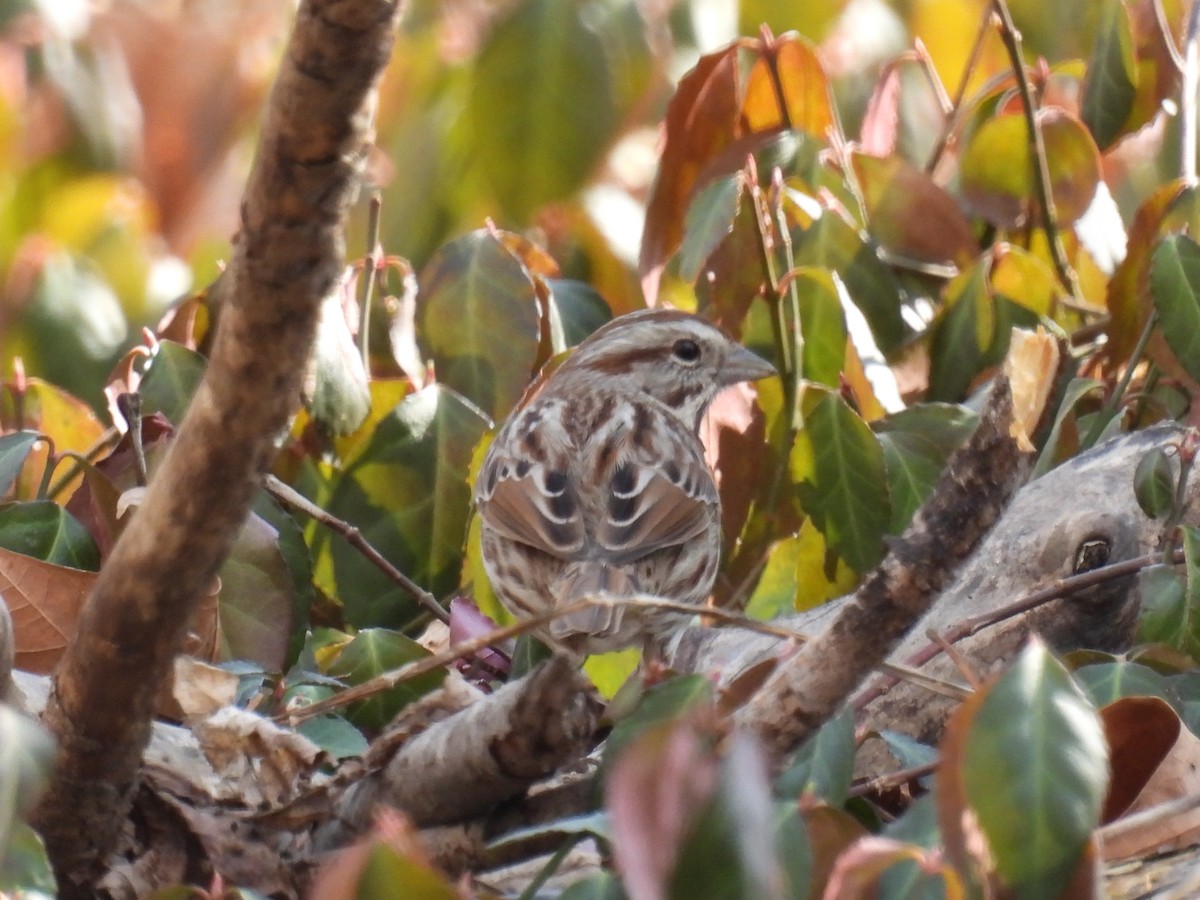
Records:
x=596, y=485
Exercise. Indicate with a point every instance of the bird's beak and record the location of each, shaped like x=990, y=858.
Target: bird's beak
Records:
x=742, y=365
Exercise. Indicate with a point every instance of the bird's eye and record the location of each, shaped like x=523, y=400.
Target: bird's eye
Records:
x=686, y=350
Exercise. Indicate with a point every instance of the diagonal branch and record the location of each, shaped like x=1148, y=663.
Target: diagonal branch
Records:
x=287, y=256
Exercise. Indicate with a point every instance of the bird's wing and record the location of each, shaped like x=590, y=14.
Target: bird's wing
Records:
x=657, y=491
x=524, y=490
x=614, y=495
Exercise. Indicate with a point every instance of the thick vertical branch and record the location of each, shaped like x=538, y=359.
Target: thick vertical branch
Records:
x=288, y=255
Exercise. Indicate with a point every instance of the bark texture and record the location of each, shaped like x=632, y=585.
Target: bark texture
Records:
x=287, y=257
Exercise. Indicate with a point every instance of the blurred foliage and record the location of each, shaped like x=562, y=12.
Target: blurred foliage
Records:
x=852, y=191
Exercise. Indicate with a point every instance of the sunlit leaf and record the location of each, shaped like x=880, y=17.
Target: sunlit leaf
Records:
x=790, y=69
x=478, y=320
x=830, y=243
x=64, y=419
x=838, y=467
x=1172, y=207
x=541, y=107
x=701, y=121
x=335, y=389
x=997, y=173
x=373, y=652
x=406, y=490
x=822, y=325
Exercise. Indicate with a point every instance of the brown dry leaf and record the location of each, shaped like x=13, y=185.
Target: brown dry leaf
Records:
x=1154, y=759
x=44, y=600
x=1031, y=367
x=199, y=689
x=267, y=763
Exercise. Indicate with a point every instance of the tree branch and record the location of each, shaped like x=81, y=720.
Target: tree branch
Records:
x=287, y=257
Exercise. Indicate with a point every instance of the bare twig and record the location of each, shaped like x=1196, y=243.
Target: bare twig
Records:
x=293, y=498
x=1037, y=151
x=1056, y=590
x=954, y=114
x=288, y=255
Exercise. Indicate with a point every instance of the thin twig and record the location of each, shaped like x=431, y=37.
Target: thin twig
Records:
x=955, y=113
x=1056, y=590
x=370, y=274
x=292, y=498
x=1037, y=149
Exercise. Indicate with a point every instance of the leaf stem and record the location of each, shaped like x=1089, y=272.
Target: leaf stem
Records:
x=954, y=114
x=1037, y=149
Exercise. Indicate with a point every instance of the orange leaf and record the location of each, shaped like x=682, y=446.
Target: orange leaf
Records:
x=701, y=120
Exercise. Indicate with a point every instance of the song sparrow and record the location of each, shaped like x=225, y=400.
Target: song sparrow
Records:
x=597, y=482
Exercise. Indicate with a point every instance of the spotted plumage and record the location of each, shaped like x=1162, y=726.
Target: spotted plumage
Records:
x=597, y=485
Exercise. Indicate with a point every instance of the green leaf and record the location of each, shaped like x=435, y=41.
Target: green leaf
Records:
x=708, y=222
x=170, y=380
x=1154, y=483
x=916, y=444
x=257, y=598
x=336, y=393
x=478, y=321
x=334, y=735
x=26, y=755
x=824, y=766
x=581, y=308
x=1175, y=287
x=25, y=869
x=662, y=703
x=837, y=464
x=1170, y=607
x=13, y=450
x=822, y=325
x=44, y=530
x=775, y=593
x=1077, y=389
x=1111, y=84
x=831, y=243
x=729, y=853
x=1105, y=683
x=406, y=490
x=373, y=652
x=602, y=886
x=1035, y=772
x=541, y=106
x=388, y=874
